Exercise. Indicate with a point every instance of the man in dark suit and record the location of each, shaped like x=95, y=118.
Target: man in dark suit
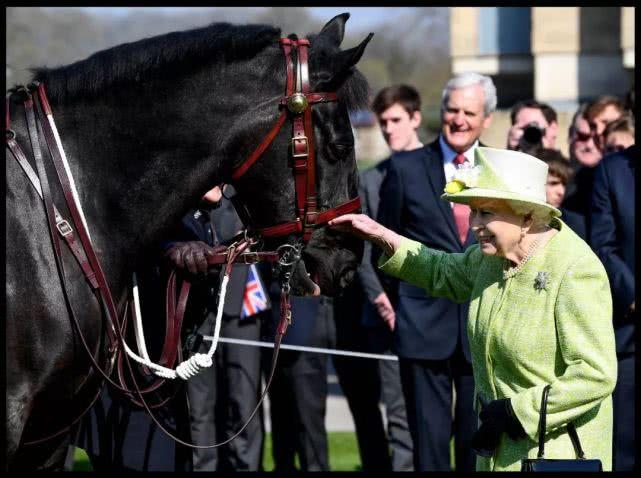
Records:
x=584, y=156
x=430, y=333
x=222, y=397
x=398, y=110
x=612, y=238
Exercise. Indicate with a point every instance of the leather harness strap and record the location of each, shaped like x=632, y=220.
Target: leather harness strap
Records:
x=298, y=100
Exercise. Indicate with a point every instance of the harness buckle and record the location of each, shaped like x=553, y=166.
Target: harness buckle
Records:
x=64, y=228
x=251, y=256
x=302, y=139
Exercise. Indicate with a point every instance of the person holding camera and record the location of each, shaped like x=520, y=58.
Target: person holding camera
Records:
x=534, y=126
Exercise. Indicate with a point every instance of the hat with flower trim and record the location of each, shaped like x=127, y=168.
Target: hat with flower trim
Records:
x=501, y=174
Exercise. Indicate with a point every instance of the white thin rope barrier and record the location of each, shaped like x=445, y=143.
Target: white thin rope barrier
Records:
x=301, y=348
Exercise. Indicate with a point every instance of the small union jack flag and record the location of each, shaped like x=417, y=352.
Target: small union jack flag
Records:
x=255, y=299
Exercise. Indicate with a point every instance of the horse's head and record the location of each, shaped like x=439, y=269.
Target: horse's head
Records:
x=329, y=259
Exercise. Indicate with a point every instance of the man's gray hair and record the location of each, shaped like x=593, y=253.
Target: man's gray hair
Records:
x=464, y=80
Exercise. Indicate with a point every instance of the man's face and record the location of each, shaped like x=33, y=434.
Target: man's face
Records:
x=528, y=116
x=582, y=146
x=617, y=141
x=463, y=118
x=554, y=190
x=608, y=115
x=399, y=127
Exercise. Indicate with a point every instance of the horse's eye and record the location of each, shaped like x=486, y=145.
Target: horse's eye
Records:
x=340, y=151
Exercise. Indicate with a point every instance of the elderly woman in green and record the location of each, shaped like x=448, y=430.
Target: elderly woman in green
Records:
x=540, y=311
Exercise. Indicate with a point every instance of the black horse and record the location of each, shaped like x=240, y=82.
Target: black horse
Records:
x=148, y=127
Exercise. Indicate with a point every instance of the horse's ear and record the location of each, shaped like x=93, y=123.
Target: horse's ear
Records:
x=346, y=59
x=334, y=30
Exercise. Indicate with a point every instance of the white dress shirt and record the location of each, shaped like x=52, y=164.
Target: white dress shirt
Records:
x=448, y=158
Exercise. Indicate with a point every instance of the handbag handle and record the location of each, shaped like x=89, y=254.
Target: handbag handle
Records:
x=574, y=437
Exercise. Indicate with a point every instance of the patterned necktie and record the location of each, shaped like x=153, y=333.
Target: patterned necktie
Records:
x=461, y=211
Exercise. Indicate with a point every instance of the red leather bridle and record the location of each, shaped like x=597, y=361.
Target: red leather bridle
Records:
x=297, y=103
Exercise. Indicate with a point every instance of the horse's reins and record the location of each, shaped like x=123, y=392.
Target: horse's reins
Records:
x=298, y=102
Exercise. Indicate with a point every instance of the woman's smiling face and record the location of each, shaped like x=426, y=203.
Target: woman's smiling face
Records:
x=496, y=227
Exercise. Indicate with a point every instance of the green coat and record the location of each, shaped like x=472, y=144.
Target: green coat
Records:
x=523, y=338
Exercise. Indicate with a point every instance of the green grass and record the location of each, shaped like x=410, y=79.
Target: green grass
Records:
x=343, y=453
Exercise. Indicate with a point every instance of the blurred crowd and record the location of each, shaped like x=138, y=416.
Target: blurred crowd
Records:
x=427, y=396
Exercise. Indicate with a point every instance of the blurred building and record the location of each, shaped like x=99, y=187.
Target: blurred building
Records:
x=560, y=55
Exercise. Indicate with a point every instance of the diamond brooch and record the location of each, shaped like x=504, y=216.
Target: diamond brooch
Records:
x=541, y=280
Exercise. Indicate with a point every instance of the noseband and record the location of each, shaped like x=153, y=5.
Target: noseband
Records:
x=297, y=104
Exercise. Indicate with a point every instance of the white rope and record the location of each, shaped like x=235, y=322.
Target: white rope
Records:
x=301, y=348
x=196, y=362
x=140, y=334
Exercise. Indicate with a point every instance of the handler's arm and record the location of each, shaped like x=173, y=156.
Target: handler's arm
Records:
x=583, y=317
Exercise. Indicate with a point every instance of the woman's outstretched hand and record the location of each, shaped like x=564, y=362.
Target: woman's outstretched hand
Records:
x=367, y=228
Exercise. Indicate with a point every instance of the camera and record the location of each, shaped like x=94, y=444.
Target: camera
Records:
x=532, y=137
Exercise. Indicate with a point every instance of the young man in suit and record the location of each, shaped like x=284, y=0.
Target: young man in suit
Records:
x=430, y=334
x=398, y=110
x=612, y=238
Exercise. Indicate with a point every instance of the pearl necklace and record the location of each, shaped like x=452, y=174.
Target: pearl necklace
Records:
x=512, y=271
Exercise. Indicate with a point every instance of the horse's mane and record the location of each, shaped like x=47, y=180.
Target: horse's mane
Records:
x=127, y=62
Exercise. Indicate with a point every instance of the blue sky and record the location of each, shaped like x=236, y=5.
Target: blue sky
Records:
x=361, y=19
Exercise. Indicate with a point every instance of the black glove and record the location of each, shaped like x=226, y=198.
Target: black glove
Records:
x=500, y=415
x=485, y=440
x=497, y=417
x=190, y=255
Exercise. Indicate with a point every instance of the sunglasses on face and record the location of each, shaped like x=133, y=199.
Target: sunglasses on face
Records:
x=579, y=136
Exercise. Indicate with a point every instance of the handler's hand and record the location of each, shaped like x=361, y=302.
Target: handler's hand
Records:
x=367, y=228
x=190, y=255
x=385, y=310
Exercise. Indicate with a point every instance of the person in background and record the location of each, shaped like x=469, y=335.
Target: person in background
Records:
x=582, y=141
x=559, y=176
x=603, y=110
x=540, y=312
x=585, y=154
x=612, y=237
x=534, y=125
x=298, y=392
x=618, y=135
x=222, y=397
x=430, y=336
x=398, y=110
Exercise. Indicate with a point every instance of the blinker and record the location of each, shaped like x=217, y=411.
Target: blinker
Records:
x=297, y=103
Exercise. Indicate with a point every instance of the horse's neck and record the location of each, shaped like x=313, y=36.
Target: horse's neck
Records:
x=141, y=159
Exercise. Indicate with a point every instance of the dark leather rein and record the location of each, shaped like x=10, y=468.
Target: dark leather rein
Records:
x=297, y=105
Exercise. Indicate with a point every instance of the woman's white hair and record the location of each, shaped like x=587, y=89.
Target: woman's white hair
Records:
x=464, y=80
x=541, y=216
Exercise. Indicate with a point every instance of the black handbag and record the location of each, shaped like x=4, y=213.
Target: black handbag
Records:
x=580, y=463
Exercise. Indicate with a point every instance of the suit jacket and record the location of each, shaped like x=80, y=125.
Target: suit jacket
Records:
x=426, y=327
x=576, y=222
x=370, y=278
x=576, y=204
x=612, y=236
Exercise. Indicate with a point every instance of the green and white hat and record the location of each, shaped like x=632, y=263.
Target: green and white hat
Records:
x=501, y=174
